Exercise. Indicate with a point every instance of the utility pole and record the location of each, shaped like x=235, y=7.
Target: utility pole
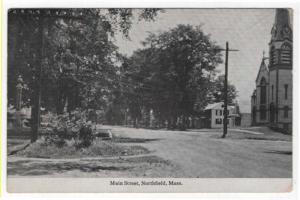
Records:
x=225, y=94
x=225, y=89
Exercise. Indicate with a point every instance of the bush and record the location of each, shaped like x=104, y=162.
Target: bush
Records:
x=85, y=136
x=70, y=126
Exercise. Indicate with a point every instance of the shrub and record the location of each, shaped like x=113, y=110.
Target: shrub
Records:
x=85, y=136
x=69, y=126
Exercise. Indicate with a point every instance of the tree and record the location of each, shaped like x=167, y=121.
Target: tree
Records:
x=79, y=36
x=73, y=57
x=218, y=91
x=174, y=69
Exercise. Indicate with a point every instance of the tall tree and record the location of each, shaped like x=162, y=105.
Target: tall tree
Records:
x=174, y=69
x=73, y=57
x=78, y=49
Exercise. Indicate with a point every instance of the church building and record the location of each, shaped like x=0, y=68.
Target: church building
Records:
x=271, y=101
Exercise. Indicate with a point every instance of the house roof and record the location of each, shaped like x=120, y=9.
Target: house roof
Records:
x=217, y=105
x=214, y=106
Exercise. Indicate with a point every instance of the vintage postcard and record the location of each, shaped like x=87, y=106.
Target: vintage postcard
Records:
x=149, y=100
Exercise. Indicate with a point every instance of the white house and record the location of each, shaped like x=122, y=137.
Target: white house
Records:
x=215, y=114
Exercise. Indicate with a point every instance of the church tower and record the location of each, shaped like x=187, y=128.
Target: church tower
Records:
x=280, y=72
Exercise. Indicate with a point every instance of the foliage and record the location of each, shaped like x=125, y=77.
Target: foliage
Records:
x=76, y=51
x=218, y=91
x=70, y=126
x=172, y=75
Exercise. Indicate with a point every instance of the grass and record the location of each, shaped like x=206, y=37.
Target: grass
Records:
x=268, y=134
x=99, y=148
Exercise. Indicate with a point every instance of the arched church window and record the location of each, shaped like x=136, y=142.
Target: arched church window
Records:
x=286, y=54
x=263, y=91
x=272, y=91
x=263, y=112
x=286, y=91
x=253, y=115
x=287, y=32
x=285, y=111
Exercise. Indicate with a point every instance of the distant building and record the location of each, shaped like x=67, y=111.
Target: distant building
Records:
x=271, y=101
x=214, y=116
x=23, y=115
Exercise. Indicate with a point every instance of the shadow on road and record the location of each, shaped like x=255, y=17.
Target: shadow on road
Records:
x=279, y=152
x=139, y=166
x=133, y=140
x=27, y=168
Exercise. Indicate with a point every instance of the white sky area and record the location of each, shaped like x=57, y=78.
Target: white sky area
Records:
x=248, y=30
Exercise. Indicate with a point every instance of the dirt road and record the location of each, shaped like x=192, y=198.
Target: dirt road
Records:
x=194, y=153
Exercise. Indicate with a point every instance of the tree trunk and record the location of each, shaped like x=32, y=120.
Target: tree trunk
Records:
x=174, y=122
x=135, y=122
x=35, y=120
x=182, y=123
x=169, y=127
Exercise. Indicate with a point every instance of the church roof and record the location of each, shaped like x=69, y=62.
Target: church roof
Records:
x=262, y=67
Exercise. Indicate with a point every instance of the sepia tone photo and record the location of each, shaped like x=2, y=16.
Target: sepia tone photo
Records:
x=124, y=93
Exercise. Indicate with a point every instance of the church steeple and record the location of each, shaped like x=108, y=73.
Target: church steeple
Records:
x=282, y=29
x=281, y=45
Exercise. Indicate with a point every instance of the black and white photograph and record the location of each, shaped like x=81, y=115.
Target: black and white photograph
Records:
x=148, y=96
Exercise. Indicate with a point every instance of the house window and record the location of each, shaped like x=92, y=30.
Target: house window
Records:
x=286, y=112
x=218, y=121
x=226, y=112
x=285, y=91
x=227, y=121
x=221, y=112
x=216, y=112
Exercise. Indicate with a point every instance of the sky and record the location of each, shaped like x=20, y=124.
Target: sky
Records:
x=248, y=30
